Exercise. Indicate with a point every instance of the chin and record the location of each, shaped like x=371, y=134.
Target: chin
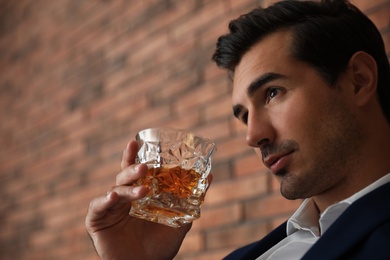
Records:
x=293, y=191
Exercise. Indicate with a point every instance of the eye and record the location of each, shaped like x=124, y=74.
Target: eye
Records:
x=271, y=93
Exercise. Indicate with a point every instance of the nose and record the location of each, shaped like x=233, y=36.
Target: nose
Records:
x=259, y=132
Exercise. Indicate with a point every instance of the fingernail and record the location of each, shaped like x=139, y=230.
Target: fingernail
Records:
x=108, y=195
x=136, y=190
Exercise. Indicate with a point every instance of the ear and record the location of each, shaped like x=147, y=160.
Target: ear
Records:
x=364, y=76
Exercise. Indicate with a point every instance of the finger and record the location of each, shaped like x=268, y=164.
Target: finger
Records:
x=116, y=198
x=99, y=206
x=131, y=174
x=129, y=154
x=127, y=194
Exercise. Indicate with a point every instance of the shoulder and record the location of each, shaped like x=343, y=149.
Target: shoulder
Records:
x=375, y=245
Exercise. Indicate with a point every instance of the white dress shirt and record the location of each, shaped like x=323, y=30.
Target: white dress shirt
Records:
x=307, y=225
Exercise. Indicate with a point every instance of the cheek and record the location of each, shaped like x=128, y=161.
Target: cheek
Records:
x=300, y=121
x=293, y=119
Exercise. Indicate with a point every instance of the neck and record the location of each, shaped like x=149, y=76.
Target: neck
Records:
x=373, y=164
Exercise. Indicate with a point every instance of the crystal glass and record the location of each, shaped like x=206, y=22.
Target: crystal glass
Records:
x=178, y=165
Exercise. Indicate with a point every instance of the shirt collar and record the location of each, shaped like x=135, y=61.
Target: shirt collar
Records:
x=307, y=217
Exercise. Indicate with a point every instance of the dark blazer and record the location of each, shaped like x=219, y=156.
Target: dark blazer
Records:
x=361, y=232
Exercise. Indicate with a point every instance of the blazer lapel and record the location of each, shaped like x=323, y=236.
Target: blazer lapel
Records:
x=355, y=223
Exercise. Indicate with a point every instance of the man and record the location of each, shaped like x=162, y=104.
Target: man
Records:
x=312, y=85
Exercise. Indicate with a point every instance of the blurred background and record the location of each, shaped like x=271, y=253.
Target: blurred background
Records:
x=78, y=79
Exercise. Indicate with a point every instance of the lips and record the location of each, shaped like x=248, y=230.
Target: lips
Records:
x=275, y=162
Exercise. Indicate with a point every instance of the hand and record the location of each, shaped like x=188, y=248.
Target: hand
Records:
x=117, y=235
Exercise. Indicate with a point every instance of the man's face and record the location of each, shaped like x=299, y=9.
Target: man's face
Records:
x=302, y=128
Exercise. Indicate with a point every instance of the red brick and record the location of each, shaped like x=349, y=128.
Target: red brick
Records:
x=221, y=171
x=381, y=17
x=214, y=131
x=212, y=72
x=278, y=221
x=221, y=108
x=269, y=206
x=386, y=39
x=189, y=120
x=79, y=84
x=224, y=215
x=200, y=96
x=249, y=164
x=240, y=5
x=199, y=19
x=232, y=147
x=237, y=189
x=366, y=5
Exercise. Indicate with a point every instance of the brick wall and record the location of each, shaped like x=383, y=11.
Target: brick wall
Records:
x=79, y=78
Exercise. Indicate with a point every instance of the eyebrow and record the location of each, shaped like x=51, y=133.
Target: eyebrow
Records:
x=256, y=85
x=262, y=80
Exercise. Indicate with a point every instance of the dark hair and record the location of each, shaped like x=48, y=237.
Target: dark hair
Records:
x=325, y=35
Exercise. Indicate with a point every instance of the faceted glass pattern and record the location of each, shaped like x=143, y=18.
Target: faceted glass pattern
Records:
x=179, y=163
